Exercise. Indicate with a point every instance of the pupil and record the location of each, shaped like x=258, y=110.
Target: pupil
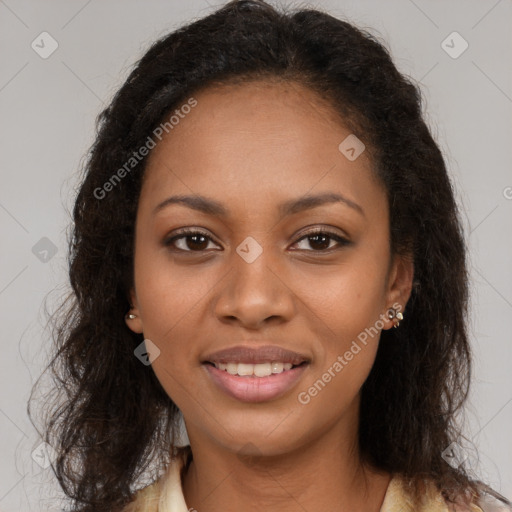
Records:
x=325, y=241
x=194, y=239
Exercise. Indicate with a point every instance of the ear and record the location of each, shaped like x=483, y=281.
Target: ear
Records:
x=400, y=281
x=132, y=318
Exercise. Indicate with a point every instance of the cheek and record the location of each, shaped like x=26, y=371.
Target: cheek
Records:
x=169, y=296
x=170, y=301
x=346, y=299
x=352, y=309
x=347, y=310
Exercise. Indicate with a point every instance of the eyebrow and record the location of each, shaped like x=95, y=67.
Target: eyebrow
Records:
x=212, y=207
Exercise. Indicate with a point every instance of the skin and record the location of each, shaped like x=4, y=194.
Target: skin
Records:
x=251, y=147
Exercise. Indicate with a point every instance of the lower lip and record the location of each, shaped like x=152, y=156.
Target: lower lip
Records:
x=256, y=389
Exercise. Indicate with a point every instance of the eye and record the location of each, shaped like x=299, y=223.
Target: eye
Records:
x=189, y=240
x=320, y=240
x=193, y=240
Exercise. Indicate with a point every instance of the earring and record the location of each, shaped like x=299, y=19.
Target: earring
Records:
x=131, y=316
x=392, y=314
x=399, y=317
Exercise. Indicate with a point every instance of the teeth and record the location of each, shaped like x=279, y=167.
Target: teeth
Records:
x=262, y=370
x=277, y=367
x=232, y=368
x=258, y=370
x=245, y=369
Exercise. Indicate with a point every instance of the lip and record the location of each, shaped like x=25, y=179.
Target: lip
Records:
x=255, y=355
x=255, y=389
x=251, y=388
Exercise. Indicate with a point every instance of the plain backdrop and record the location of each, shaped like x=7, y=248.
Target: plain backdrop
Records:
x=48, y=108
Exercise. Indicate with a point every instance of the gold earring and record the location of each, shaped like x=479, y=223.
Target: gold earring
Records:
x=394, y=314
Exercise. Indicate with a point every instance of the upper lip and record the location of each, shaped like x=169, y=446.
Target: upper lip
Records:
x=255, y=355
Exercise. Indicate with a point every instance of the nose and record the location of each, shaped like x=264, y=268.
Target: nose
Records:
x=255, y=294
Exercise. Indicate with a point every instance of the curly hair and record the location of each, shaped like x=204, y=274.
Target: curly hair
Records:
x=111, y=419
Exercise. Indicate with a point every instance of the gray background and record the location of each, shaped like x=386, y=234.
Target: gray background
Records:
x=48, y=107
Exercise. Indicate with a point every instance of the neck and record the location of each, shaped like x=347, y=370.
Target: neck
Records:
x=313, y=478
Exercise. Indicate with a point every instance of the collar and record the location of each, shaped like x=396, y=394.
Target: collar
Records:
x=166, y=494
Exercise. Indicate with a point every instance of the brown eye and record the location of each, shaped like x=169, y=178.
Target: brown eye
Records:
x=321, y=240
x=189, y=241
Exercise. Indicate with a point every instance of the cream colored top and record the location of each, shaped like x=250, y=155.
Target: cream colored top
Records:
x=166, y=495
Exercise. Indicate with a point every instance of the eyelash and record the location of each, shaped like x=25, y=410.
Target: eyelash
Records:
x=185, y=233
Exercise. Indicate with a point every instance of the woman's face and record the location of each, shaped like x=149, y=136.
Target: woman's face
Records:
x=289, y=252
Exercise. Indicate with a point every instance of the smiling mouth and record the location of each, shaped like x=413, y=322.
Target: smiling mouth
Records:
x=266, y=369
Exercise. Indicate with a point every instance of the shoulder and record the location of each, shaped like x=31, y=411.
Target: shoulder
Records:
x=491, y=501
x=145, y=500
x=400, y=493
x=487, y=500
x=166, y=493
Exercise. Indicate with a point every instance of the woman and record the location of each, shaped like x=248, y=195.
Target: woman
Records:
x=266, y=244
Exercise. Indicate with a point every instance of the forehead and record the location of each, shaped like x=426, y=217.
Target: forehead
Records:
x=254, y=139
x=274, y=111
